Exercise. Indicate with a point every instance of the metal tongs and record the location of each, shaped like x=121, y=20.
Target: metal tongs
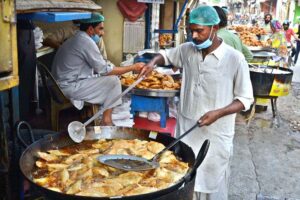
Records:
x=135, y=163
x=77, y=129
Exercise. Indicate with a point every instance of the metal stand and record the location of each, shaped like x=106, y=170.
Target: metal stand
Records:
x=36, y=98
x=151, y=104
x=276, y=116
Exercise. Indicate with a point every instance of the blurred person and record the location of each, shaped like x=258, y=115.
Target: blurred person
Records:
x=277, y=37
x=230, y=38
x=215, y=85
x=289, y=32
x=297, y=45
x=267, y=23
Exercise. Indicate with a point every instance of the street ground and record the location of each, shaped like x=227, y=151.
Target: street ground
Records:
x=266, y=160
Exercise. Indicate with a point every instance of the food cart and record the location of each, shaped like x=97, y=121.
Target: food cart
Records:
x=269, y=70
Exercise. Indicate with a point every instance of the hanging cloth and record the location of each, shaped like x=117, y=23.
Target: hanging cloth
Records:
x=131, y=9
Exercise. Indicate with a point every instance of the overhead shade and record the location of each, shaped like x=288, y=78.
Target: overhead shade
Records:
x=56, y=5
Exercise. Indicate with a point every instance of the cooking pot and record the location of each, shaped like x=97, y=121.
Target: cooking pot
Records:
x=263, y=79
x=181, y=190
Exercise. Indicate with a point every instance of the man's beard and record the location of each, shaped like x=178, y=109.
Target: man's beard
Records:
x=267, y=21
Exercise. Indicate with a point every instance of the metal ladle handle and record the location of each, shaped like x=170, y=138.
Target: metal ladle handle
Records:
x=174, y=142
x=114, y=100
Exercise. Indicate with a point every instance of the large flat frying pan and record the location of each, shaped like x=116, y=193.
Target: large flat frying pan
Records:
x=28, y=158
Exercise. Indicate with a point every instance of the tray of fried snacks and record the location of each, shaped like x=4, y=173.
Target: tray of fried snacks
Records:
x=155, y=85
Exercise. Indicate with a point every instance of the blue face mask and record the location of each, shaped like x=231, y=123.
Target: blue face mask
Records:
x=207, y=43
x=96, y=38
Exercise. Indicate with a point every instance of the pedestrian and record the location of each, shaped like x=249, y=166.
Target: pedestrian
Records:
x=267, y=26
x=230, y=38
x=267, y=22
x=297, y=46
x=215, y=86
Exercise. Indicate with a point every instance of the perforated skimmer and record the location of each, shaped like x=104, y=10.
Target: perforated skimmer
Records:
x=135, y=163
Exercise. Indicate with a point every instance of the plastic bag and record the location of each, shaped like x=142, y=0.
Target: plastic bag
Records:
x=154, y=116
x=38, y=37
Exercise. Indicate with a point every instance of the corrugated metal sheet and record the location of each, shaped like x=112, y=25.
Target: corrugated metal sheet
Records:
x=55, y=5
x=134, y=36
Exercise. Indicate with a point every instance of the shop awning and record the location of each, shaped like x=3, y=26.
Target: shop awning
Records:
x=27, y=6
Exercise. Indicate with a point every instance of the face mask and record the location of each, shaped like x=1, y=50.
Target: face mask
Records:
x=96, y=38
x=207, y=43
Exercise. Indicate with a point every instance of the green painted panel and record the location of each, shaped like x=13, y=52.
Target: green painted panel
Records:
x=297, y=13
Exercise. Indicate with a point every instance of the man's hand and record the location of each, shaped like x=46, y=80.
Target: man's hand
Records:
x=137, y=67
x=209, y=118
x=212, y=116
x=157, y=60
x=146, y=70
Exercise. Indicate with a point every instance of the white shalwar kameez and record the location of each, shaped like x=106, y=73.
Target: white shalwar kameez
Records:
x=80, y=71
x=208, y=85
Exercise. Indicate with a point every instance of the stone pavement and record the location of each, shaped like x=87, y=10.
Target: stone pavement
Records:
x=266, y=160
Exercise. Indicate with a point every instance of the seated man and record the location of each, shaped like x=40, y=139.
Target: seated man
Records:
x=56, y=38
x=83, y=74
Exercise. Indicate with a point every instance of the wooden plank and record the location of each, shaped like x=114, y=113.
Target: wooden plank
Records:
x=8, y=82
x=54, y=10
x=51, y=5
x=55, y=16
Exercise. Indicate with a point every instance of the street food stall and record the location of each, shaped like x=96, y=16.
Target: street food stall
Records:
x=173, y=180
x=269, y=70
x=181, y=187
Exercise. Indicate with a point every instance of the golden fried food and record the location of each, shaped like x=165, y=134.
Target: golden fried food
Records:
x=75, y=169
x=155, y=81
x=165, y=39
x=249, y=35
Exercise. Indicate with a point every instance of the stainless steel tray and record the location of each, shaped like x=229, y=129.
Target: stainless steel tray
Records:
x=259, y=48
x=263, y=54
x=153, y=92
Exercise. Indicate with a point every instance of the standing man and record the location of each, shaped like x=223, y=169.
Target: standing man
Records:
x=83, y=74
x=288, y=32
x=267, y=23
x=215, y=85
x=297, y=45
x=230, y=38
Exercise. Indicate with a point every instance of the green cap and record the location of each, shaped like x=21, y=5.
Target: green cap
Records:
x=204, y=15
x=95, y=18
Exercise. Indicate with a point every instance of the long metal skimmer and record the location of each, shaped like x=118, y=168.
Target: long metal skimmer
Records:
x=135, y=163
x=77, y=129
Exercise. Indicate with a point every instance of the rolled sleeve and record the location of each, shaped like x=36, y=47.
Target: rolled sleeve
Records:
x=96, y=61
x=172, y=56
x=243, y=87
x=164, y=55
x=109, y=67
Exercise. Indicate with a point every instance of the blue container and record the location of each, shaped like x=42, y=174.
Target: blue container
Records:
x=146, y=57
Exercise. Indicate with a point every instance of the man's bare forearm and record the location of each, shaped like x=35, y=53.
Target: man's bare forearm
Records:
x=121, y=70
x=213, y=115
x=234, y=107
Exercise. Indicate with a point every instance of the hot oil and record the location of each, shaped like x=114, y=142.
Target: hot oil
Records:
x=55, y=176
